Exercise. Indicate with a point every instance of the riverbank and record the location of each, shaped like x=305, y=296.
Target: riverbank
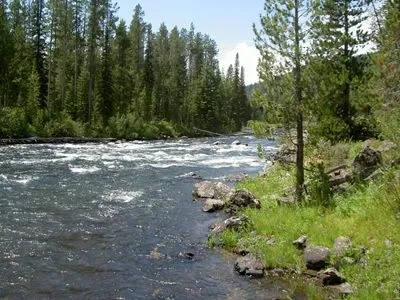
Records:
x=366, y=214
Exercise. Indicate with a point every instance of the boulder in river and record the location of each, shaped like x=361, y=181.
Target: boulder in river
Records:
x=236, y=142
x=211, y=205
x=250, y=266
x=211, y=190
x=240, y=199
x=316, y=257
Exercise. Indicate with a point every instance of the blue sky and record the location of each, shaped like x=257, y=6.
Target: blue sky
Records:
x=228, y=22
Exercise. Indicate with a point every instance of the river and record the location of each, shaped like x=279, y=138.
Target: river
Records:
x=109, y=221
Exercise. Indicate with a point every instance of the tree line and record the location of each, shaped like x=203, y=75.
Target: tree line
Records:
x=319, y=72
x=70, y=67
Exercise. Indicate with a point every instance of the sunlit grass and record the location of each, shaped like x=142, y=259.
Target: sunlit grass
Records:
x=365, y=213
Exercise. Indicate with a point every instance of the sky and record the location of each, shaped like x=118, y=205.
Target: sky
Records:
x=228, y=22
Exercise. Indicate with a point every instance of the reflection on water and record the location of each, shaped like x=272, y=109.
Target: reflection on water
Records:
x=111, y=221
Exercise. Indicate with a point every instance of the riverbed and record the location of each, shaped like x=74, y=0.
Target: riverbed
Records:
x=117, y=221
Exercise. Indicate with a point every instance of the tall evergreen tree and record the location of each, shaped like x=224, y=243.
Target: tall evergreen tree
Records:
x=280, y=40
x=337, y=34
x=6, y=50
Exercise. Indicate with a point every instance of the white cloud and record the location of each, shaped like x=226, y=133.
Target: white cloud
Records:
x=248, y=56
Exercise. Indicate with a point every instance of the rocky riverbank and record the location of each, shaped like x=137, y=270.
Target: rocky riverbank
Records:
x=334, y=244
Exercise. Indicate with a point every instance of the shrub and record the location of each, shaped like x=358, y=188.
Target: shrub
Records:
x=62, y=126
x=167, y=128
x=13, y=123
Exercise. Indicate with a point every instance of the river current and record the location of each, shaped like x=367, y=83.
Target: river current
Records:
x=116, y=220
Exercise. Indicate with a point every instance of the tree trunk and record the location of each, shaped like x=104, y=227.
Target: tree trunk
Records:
x=299, y=117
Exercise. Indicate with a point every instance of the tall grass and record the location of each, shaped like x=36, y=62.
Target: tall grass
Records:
x=366, y=213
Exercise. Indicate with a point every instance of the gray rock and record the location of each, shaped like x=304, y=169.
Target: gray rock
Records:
x=316, y=257
x=341, y=245
x=191, y=175
x=186, y=255
x=330, y=276
x=250, y=266
x=348, y=260
x=387, y=146
x=277, y=272
x=211, y=205
x=285, y=155
x=363, y=262
x=232, y=222
x=300, y=243
x=366, y=162
x=240, y=199
x=344, y=289
x=211, y=190
x=217, y=143
x=237, y=177
x=388, y=243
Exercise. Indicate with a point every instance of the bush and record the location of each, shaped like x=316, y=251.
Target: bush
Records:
x=167, y=129
x=331, y=128
x=124, y=126
x=13, y=123
x=63, y=126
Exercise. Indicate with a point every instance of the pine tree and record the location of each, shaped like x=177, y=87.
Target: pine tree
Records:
x=121, y=83
x=177, y=78
x=160, y=106
x=337, y=33
x=280, y=40
x=136, y=35
x=148, y=75
x=6, y=50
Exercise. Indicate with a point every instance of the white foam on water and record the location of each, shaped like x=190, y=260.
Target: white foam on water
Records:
x=83, y=170
x=123, y=196
x=23, y=179
x=235, y=161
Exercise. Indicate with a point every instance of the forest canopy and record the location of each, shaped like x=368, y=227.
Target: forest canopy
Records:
x=71, y=68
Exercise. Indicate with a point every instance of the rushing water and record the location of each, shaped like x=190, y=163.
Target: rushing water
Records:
x=109, y=221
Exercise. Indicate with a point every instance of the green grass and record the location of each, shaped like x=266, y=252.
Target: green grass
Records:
x=365, y=213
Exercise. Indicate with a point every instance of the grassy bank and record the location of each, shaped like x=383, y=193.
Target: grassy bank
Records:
x=365, y=212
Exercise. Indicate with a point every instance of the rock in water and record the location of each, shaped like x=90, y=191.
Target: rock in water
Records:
x=316, y=257
x=240, y=199
x=211, y=205
x=250, y=266
x=237, y=142
x=211, y=190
